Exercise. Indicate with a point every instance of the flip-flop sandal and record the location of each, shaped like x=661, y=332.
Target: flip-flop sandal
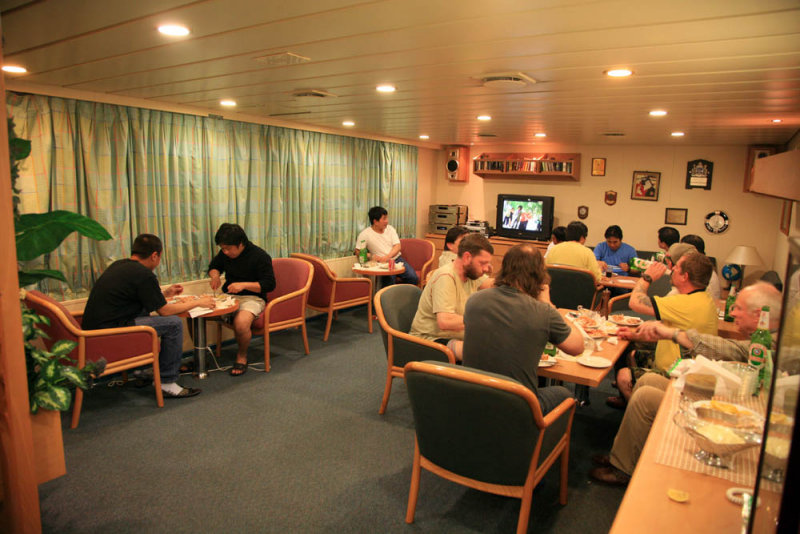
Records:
x=238, y=369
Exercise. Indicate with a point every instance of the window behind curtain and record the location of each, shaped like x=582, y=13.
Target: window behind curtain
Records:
x=180, y=176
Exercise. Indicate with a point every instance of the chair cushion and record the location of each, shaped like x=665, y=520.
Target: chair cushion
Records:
x=399, y=304
x=416, y=252
x=570, y=289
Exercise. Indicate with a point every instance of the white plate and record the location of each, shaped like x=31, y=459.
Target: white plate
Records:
x=594, y=361
x=547, y=363
x=626, y=320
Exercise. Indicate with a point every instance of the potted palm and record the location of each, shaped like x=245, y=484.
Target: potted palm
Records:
x=51, y=373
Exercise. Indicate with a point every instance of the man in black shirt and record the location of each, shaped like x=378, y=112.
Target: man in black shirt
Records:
x=128, y=291
x=248, y=277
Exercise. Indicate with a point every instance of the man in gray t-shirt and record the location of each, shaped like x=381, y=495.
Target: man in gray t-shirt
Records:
x=507, y=327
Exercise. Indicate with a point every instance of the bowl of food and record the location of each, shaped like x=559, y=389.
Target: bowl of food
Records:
x=720, y=430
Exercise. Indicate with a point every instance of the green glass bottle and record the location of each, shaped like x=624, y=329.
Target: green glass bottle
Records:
x=729, y=304
x=638, y=264
x=550, y=350
x=760, y=351
x=362, y=252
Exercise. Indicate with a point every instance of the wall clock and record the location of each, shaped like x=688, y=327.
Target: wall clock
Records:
x=716, y=222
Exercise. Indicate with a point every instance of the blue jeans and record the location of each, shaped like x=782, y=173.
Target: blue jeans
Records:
x=409, y=276
x=170, y=329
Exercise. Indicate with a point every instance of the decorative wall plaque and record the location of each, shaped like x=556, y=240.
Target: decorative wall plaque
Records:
x=698, y=174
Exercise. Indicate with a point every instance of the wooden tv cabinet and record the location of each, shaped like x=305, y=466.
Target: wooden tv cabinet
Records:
x=500, y=244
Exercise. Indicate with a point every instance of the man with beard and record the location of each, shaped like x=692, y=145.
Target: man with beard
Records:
x=440, y=315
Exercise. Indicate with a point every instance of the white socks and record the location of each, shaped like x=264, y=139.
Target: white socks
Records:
x=172, y=387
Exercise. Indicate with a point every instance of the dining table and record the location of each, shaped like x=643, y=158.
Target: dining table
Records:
x=568, y=369
x=374, y=270
x=198, y=330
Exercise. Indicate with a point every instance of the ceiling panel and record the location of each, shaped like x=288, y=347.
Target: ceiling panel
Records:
x=722, y=69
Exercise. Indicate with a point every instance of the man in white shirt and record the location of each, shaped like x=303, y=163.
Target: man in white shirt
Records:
x=383, y=244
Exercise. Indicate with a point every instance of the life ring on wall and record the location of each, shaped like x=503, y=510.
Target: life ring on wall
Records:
x=717, y=222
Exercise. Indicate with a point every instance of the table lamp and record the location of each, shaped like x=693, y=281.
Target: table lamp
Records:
x=743, y=255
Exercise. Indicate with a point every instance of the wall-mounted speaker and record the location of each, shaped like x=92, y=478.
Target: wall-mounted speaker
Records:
x=457, y=164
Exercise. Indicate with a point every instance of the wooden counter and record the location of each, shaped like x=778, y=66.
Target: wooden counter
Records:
x=646, y=507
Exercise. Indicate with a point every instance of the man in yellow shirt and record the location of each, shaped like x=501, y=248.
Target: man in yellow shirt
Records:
x=692, y=307
x=573, y=252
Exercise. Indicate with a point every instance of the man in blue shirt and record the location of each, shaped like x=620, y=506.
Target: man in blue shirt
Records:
x=613, y=252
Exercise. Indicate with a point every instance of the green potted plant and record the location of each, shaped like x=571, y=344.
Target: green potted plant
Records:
x=52, y=372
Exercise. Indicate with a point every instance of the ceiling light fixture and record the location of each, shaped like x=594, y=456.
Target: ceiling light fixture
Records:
x=677, y=134
x=484, y=117
x=227, y=103
x=658, y=113
x=348, y=123
x=618, y=73
x=173, y=30
x=424, y=137
x=775, y=121
x=14, y=69
x=386, y=88
x=540, y=134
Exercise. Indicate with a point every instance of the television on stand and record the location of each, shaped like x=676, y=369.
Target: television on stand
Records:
x=524, y=217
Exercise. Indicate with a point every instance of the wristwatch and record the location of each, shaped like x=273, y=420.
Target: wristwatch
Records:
x=647, y=278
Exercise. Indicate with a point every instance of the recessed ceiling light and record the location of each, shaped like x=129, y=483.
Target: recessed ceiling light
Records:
x=173, y=30
x=484, y=117
x=776, y=121
x=227, y=103
x=14, y=69
x=348, y=123
x=677, y=134
x=423, y=136
x=619, y=73
x=386, y=88
x=540, y=134
x=658, y=113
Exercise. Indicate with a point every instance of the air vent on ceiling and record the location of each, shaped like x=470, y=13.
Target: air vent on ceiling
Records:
x=289, y=113
x=312, y=93
x=282, y=58
x=506, y=80
x=487, y=135
x=614, y=134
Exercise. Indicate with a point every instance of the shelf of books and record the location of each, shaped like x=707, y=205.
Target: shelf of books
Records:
x=528, y=165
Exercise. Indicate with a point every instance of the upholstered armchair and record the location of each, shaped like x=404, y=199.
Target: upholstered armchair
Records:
x=484, y=431
x=123, y=348
x=330, y=293
x=395, y=307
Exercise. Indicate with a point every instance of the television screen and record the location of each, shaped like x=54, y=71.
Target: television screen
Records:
x=524, y=217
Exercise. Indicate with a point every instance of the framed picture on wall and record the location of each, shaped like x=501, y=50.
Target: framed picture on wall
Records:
x=645, y=185
x=598, y=166
x=754, y=153
x=676, y=216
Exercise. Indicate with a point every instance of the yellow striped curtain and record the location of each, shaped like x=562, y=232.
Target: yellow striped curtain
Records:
x=180, y=176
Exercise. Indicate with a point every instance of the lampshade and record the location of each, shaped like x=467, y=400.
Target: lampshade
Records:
x=744, y=255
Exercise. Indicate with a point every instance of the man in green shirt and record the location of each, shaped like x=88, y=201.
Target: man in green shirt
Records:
x=440, y=315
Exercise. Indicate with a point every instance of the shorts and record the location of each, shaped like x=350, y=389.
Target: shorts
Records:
x=250, y=303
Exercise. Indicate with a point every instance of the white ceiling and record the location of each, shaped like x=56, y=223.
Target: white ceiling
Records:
x=721, y=68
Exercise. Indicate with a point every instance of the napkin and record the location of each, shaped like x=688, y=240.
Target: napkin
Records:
x=727, y=382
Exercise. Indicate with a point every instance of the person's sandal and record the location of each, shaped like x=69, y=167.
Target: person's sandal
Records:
x=238, y=369
x=184, y=393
